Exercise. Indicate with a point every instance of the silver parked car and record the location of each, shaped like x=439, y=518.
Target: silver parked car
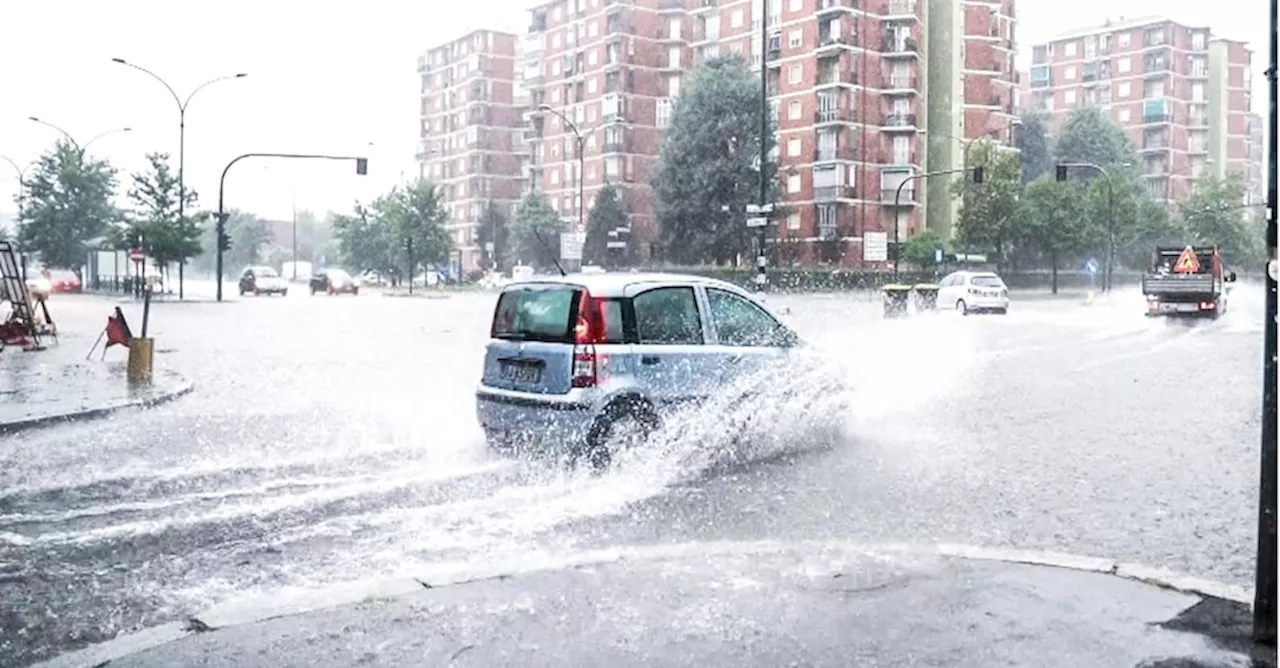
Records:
x=593, y=362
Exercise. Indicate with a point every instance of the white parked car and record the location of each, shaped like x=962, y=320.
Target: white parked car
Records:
x=973, y=292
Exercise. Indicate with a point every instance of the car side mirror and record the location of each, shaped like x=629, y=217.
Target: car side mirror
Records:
x=1231, y=277
x=787, y=338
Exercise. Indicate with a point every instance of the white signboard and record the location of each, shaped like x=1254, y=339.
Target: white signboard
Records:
x=571, y=245
x=757, y=221
x=875, y=246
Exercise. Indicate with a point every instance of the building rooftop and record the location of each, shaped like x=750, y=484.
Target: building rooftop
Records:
x=1108, y=26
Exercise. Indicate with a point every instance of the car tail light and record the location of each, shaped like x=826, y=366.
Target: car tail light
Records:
x=1207, y=306
x=590, y=329
x=974, y=291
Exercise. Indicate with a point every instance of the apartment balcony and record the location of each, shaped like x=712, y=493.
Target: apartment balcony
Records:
x=893, y=47
x=907, y=198
x=1154, y=145
x=899, y=123
x=1154, y=118
x=773, y=57
x=901, y=84
x=831, y=193
x=829, y=80
x=899, y=10
x=838, y=154
x=704, y=5
x=832, y=45
x=826, y=7
x=829, y=116
x=615, y=146
x=670, y=5
x=1197, y=121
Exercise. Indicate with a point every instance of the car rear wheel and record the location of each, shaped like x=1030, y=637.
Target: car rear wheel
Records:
x=623, y=427
x=962, y=307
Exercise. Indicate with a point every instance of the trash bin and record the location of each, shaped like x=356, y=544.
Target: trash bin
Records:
x=926, y=297
x=896, y=299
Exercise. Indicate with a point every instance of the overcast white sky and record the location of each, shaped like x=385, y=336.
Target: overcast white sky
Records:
x=323, y=78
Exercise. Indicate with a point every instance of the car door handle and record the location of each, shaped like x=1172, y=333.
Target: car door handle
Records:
x=650, y=359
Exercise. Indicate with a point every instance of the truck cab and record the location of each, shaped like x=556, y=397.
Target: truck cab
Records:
x=1187, y=281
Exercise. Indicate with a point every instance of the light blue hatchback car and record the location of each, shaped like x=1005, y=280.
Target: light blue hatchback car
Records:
x=591, y=363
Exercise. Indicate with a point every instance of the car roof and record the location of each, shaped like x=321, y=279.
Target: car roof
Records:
x=615, y=284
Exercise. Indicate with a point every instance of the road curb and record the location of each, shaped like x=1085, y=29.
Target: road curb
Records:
x=181, y=387
x=228, y=616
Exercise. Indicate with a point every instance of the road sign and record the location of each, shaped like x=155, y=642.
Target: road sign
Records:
x=1187, y=262
x=1091, y=266
x=757, y=221
x=937, y=256
x=571, y=245
x=137, y=255
x=875, y=246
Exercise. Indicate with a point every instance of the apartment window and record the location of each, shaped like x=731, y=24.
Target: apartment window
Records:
x=735, y=19
x=664, y=113
x=1069, y=74
x=593, y=29
x=1069, y=49
x=795, y=74
x=1123, y=90
x=795, y=38
x=901, y=150
x=673, y=86
x=593, y=57
x=793, y=221
x=793, y=147
x=1123, y=39
x=793, y=183
x=1123, y=116
x=796, y=6
x=793, y=110
x=673, y=56
x=555, y=176
x=592, y=85
x=1069, y=97
x=673, y=28
x=555, y=41
x=1124, y=65
x=557, y=13
x=1197, y=91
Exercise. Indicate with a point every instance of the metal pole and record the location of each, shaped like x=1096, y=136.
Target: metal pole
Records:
x=761, y=259
x=1111, y=218
x=1264, y=602
x=897, y=225
x=582, y=196
x=295, y=234
x=182, y=186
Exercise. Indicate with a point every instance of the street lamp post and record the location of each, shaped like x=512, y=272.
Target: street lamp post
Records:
x=22, y=197
x=582, y=169
x=897, y=208
x=1111, y=216
x=762, y=275
x=80, y=148
x=182, y=139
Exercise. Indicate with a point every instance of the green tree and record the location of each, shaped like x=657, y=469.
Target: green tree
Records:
x=921, y=249
x=606, y=216
x=363, y=241
x=415, y=218
x=989, y=210
x=1214, y=215
x=1114, y=205
x=1089, y=136
x=536, y=219
x=68, y=203
x=1032, y=140
x=154, y=222
x=494, y=230
x=708, y=166
x=1053, y=221
x=249, y=237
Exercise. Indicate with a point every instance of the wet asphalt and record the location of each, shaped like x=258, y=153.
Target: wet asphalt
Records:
x=333, y=438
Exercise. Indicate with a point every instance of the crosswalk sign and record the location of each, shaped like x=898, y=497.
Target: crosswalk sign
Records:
x=1187, y=262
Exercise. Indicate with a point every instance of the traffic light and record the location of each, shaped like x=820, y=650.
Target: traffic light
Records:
x=1061, y=174
x=362, y=166
x=978, y=174
x=224, y=242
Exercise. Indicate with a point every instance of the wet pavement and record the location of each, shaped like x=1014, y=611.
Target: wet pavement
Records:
x=333, y=439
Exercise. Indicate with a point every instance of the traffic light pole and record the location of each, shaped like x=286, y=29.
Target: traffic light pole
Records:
x=223, y=242
x=1061, y=175
x=897, y=207
x=1264, y=602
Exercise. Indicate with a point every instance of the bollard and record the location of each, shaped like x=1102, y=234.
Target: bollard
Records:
x=926, y=297
x=141, y=356
x=896, y=300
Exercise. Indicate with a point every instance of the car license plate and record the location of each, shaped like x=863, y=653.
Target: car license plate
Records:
x=521, y=372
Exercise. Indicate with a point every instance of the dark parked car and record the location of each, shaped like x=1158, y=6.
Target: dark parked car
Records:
x=333, y=282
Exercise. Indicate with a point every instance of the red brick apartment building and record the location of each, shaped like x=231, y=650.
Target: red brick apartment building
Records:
x=471, y=131
x=1182, y=94
x=847, y=81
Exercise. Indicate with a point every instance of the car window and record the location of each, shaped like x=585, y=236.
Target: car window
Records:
x=988, y=281
x=535, y=313
x=668, y=316
x=739, y=322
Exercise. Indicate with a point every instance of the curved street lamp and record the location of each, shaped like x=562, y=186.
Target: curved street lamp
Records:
x=22, y=185
x=182, y=137
x=80, y=148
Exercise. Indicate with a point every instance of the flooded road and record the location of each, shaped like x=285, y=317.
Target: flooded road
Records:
x=334, y=439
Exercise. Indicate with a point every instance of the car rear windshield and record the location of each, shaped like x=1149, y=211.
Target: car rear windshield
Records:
x=538, y=313
x=987, y=281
